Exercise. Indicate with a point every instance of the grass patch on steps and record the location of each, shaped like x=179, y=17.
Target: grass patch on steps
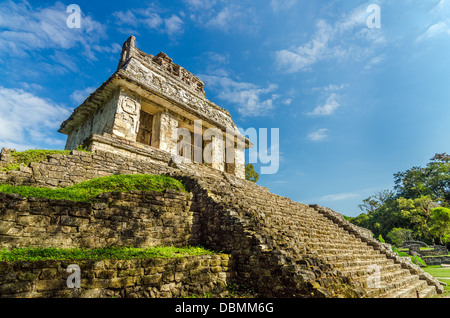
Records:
x=86, y=191
x=42, y=254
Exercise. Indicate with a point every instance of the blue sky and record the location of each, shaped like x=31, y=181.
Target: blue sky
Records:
x=353, y=104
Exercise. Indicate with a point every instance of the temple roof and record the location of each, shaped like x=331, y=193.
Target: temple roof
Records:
x=153, y=77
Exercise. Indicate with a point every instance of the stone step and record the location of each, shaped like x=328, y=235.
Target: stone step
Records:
x=335, y=248
x=428, y=292
x=389, y=289
x=363, y=264
x=415, y=289
x=325, y=233
x=368, y=279
x=342, y=257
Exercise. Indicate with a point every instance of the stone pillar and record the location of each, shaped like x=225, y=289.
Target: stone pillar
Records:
x=127, y=115
x=239, y=157
x=164, y=135
x=214, y=152
x=235, y=154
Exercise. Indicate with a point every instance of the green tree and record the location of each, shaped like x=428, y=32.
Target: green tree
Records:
x=409, y=205
x=399, y=235
x=250, y=173
x=397, y=212
x=440, y=224
x=432, y=180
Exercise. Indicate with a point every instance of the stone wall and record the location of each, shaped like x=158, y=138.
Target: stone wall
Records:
x=436, y=260
x=437, y=250
x=279, y=248
x=139, y=219
x=102, y=121
x=66, y=170
x=136, y=278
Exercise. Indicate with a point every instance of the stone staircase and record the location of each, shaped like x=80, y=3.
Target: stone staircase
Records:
x=279, y=247
x=317, y=241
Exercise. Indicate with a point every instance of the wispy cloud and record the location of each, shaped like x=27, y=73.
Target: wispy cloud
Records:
x=318, y=135
x=341, y=196
x=282, y=5
x=149, y=18
x=226, y=16
x=248, y=98
x=328, y=108
x=331, y=103
x=42, y=119
x=348, y=37
x=308, y=54
x=439, y=22
x=438, y=29
x=26, y=29
x=80, y=95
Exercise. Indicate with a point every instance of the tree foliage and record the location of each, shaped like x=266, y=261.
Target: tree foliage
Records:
x=440, y=224
x=415, y=208
x=250, y=173
x=432, y=180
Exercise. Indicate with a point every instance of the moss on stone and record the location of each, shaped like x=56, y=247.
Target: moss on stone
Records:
x=86, y=191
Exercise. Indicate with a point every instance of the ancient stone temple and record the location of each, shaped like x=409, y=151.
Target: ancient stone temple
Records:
x=151, y=117
x=151, y=104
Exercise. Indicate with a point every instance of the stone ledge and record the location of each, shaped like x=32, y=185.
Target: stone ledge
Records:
x=135, y=278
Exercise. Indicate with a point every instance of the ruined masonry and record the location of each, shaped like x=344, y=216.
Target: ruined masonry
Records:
x=152, y=103
x=268, y=243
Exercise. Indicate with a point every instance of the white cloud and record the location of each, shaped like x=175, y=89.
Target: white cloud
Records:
x=438, y=22
x=250, y=99
x=149, y=17
x=228, y=18
x=222, y=15
x=282, y=5
x=348, y=37
x=308, y=54
x=174, y=25
x=126, y=17
x=330, y=106
x=375, y=61
x=26, y=28
x=79, y=96
x=435, y=30
x=28, y=120
x=341, y=196
x=318, y=135
x=200, y=4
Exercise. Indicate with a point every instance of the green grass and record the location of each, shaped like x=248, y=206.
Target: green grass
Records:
x=438, y=271
x=34, y=155
x=86, y=191
x=42, y=254
x=442, y=274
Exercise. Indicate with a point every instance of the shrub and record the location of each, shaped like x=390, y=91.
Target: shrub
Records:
x=399, y=235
